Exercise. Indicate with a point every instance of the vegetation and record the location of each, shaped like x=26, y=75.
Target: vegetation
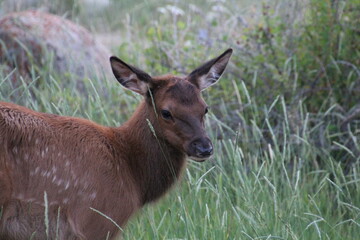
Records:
x=285, y=117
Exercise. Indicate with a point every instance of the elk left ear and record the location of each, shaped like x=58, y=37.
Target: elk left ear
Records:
x=130, y=77
x=210, y=72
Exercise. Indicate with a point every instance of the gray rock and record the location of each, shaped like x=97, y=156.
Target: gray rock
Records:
x=34, y=37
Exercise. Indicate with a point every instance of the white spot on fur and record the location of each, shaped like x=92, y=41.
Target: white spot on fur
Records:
x=26, y=156
x=67, y=185
x=67, y=164
x=15, y=150
x=86, y=184
x=54, y=203
x=37, y=169
x=73, y=175
x=59, y=182
x=93, y=196
x=20, y=196
x=76, y=182
x=54, y=179
x=66, y=200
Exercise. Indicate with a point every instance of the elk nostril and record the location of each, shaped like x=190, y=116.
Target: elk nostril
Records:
x=195, y=144
x=206, y=151
x=202, y=148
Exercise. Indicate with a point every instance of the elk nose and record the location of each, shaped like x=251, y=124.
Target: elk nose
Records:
x=203, y=148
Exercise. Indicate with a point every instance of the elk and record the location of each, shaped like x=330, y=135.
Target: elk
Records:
x=56, y=170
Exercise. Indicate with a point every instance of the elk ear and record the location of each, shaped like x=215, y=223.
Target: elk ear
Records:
x=130, y=77
x=210, y=72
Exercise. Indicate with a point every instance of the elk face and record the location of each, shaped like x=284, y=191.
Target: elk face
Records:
x=179, y=108
x=181, y=115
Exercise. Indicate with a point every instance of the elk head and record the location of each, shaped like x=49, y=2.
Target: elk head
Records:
x=175, y=102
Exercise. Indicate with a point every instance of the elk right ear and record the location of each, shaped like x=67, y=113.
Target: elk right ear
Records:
x=210, y=72
x=130, y=77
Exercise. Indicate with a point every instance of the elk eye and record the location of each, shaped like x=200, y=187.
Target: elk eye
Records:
x=206, y=110
x=166, y=114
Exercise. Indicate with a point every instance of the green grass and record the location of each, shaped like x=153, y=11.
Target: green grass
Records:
x=248, y=190
x=285, y=165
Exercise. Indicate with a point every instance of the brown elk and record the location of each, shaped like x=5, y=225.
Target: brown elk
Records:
x=55, y=171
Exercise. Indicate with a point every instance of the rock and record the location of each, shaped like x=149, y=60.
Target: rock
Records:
x=51, y=41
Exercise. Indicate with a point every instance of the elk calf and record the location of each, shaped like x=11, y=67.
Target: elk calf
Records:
x=61, y=168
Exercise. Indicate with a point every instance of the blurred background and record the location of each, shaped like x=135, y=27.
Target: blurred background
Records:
x=285, y=116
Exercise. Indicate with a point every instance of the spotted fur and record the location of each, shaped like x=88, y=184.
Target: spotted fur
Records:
x=68, y=170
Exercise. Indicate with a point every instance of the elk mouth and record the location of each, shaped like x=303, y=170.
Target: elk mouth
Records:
x=197, y=159
x=200, y=150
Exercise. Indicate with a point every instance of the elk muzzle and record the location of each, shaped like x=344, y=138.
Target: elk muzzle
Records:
x=200, y=149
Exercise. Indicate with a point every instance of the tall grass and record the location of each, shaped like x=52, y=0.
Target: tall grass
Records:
x=248, y=190
x=254, y=191
x=286, y=163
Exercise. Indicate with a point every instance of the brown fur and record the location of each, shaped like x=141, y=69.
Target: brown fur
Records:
x=74, y=164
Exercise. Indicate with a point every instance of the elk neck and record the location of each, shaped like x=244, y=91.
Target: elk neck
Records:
x=154, y=164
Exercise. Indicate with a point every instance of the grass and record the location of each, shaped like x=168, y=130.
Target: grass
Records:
x=270, y=193
x=286, y=166
x=248, y=190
